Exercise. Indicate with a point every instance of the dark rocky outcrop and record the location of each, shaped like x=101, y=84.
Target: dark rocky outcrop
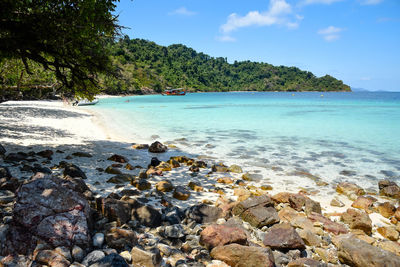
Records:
x=72, y=170
x=157, y=147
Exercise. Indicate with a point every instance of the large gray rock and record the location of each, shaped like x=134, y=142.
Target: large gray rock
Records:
x=358, y=253
x=264, y=201
x=49, y=209
x=260, y=216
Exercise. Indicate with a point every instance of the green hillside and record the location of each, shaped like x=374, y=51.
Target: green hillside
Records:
x=145, y=64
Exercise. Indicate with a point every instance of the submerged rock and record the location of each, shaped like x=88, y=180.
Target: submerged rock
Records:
x=118, y=158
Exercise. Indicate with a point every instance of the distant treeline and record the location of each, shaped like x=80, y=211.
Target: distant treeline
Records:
x=145, y=66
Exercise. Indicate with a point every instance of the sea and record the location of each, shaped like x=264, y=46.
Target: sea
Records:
x=283, y=136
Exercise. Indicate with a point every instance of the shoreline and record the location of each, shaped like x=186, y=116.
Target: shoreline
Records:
x=80, y=136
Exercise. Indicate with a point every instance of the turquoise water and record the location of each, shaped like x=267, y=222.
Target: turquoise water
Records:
x=336, y=136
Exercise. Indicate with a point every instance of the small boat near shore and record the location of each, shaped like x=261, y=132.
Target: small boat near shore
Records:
x=85, y=102
x=178, y=91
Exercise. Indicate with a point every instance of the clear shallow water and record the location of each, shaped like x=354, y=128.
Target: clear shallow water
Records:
x=336, y=136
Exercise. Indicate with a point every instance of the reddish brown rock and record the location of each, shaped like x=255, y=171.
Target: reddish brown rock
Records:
x=244, y=256
x=283, y=236
x=357, y=220
x=389, y=189
x=364, y=203
x=328, y=225
x=386, y=209
x=312, y=206
x=297, y=201
x=219, y=235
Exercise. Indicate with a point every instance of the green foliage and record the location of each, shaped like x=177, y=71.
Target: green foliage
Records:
x=146, y=64
x=67, y=37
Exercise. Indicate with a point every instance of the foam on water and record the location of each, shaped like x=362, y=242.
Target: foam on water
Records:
x=284, y=136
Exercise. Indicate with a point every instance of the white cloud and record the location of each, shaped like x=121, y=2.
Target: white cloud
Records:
x=226, y=38
x=331, y=33
x=326, y=2
x=371, y=2
x=182, y=11
x=278, y=13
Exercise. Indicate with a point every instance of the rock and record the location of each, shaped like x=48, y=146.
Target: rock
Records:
x=73, y=171
x=121, y=179
x=93, y=257
x=2, y=150
x=82, y=154
x=389, y=189
x=364, y=203
x=297, y=201
x=260, y=216
x=129, y=167
x=5, y=172
x=349, y=189
x=98, y=240
x=194, y=168
x=242, y=194
x=203, y=213
x=282, y=197
x=391, y=246
x=15, y=261
x=6, y=196
x=266, y=187
x=219, y=168
x=173, y=163
x=181, y=193
x=119, y=238
x=195, y=186
x=312, y=206
x=118, y=158
x=126, y=255
x=172, y=231
x=48, y=208
x=51, y=258
x=141, y=184
x=217, y=263
x=336, y=203
x=164, y=186
x=65, y=252
x=283, y=236
x=357, y=220
x=114, y=210
x=397, y=214
x=146, y=258
x=355, y=252
x=235, y=169
x=389, y=232
x=111, y=260
x=219, y=235
x=78, y=254
x=306, y=262
x=146, y=215
x=241, y=256
x=140, y=146
x=112, y=170
x=386, y=209
x=252, y=177
x=264, y=201
x=200, y=164
x=16, y=157
x=309, y=238
x=328, y=225
x=157, y=147
x=38, y=168
x=45, y=154
x=164, y=166
x=225, y=180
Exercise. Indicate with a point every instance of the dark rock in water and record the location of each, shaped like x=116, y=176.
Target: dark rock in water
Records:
x=118, y=158
x=82, y=154
x=130, y=192
x=119, y=238
x=4, y=172
x=283, y=236
x=38, y=168
x=194, y=168
x=48, y=208
x=121, y=179
x=355, y=252
x=181, y=193
x=200, y=164
x=203, y=213
x=260, y=216
x=140, y=146
x=2, y=150
x=164, y=186
x=154, y=162
x=252, y=177
x=219, y=168
x=149, y=258
x=16, y=157
x=45, y=153
x=73, y=171
x=357, y=219
x=238, y=255
x=157, y=147
x=112, y=170
x=219, y=235
x=93, y=257
x=141, y=184
x=111, y=260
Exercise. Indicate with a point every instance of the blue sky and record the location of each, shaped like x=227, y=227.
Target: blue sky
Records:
x=357, y=41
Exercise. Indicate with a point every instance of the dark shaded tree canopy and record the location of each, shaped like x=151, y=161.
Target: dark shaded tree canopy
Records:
x=67, y=37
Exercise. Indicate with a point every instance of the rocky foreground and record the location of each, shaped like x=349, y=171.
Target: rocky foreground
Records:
x=55, y=219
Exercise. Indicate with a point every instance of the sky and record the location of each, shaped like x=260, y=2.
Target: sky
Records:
x=356, y=41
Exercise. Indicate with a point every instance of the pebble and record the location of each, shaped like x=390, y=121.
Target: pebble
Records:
x=78, y=253
x=98, y=240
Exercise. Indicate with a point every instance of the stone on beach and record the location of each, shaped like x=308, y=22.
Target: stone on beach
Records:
x=389, y=232
x=112, y=170
x=164, y=186
x=81, y=154
x=357, y=219
x=118, y=158
x=118, y=238
x=73, y=170
x=181, y=193
x=219, y=168
x=350, y=190
x=140, y=146
x=244, y=256
x=327, y=224
x=260, y=216
x=121, y=179
x=364, y=203
x=389, y=189
x=219, y=235
x=145, y=258
x=157, y=147
x=203, y=213
x=386, y=209
x=264, y=201
x=235, y=169
x=283, y=236
x=2, y=150
x=111, y=260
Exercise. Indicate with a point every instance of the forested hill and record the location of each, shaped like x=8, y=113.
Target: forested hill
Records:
x=146, y=64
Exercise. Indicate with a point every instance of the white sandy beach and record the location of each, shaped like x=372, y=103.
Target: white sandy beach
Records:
x=39, y=125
